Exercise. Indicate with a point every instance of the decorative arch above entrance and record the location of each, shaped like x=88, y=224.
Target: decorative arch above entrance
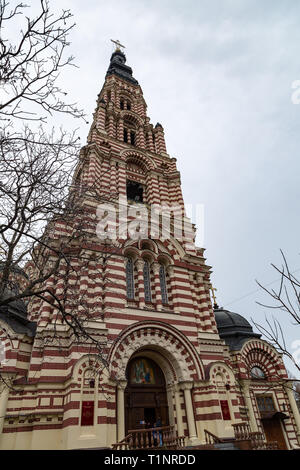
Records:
x=175, y=355
x=145, y=395
x=178, y=361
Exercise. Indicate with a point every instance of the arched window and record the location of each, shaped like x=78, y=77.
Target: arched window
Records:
x=130, y=279
x=147, y=282
x=122, y=104
x=163, y=285
x=128, y=105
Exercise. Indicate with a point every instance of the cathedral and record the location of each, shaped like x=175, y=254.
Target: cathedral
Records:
x=155, y=349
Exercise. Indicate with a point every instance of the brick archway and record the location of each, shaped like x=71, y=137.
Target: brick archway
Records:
x=164, y=340
x=261, y=354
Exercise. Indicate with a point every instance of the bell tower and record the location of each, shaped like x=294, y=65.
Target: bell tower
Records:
x=126, y=160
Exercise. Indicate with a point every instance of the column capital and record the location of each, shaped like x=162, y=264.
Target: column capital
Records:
x=122, y=384
x=139, y=264
x=187, y=385
x=155, y=266
x=177, y=387
x=170, y=270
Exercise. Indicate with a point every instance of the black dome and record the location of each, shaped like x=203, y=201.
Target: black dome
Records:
x=15, y=315
x=233, y=328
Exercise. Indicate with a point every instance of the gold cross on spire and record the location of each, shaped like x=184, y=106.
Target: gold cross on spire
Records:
x=118, y=44
x=213, y=290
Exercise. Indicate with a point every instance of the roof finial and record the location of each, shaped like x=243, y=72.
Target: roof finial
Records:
x=118, y=45
x=213, y=290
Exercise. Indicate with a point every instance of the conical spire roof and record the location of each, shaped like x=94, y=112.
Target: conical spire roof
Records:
x=118, y=67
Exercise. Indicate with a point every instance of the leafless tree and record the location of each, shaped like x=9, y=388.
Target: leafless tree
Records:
x=286, y=299
x=42, y=221
x=30, y=65
x=35, y=164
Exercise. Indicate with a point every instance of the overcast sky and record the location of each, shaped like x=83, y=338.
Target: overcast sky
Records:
x=217, y=74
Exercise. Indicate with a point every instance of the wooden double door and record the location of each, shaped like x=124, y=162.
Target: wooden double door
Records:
x=145, y=395
x=273, y=432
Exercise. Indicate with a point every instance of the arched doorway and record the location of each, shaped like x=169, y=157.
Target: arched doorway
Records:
x=145, y=394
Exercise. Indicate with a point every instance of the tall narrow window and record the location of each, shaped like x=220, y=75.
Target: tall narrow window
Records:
x=125, y=135
x=128, y=105
x=130, y=279
x=122, y=104
x=163, y=285
x=147, y=282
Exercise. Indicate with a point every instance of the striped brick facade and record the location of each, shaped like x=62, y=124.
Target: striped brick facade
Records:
x=55, y=375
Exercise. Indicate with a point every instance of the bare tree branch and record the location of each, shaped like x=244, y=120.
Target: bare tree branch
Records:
x=287, y=300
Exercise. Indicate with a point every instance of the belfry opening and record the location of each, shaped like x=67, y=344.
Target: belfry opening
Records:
x=134, y=191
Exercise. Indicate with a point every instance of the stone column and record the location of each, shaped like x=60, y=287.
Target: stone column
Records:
x=294, y=408
x=113, y=95
x=160, y=144
x=92, y=169
x=155, y=189
x=4, y=392
x=150, y=140
x=158, y=300
x=122, y=182
x=248, y=401
x=178, y=411
x=205, y=317
x=173, y=289
x=187, y=387
x=101, y=118
x=141, y=289
x=111, y=126
x=164, y=192
x=141, y=138
x=121, y=410
x=113, y=180
x=195, y=299
x=120, y=135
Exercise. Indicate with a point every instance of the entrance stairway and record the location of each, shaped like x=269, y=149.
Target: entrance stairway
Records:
x=165, y=438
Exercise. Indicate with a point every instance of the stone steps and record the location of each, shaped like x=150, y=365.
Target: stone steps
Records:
x=216, y=446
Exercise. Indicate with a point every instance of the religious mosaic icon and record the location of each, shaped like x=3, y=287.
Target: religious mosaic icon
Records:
x=142, y=372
